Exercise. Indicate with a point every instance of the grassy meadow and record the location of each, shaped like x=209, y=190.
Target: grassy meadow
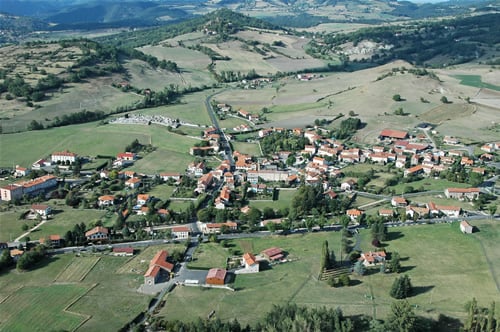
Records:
x=82, y=292
x=445, y=274
x=87, y=140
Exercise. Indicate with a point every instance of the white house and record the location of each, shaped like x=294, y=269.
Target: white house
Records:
x=251, y=264
x=64, y=156
x=181, y=232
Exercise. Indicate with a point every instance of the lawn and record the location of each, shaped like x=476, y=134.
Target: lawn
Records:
x=87, y=140
x=139, y=264
x=247, y=148
x=64, y=220
x=209, y=255
x=428, y=184
x=447, y=269
x=35, y=308
x=284, y=201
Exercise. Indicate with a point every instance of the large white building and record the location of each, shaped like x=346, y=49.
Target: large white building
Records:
x=64, y=156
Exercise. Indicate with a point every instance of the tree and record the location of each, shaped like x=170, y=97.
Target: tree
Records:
x=401, y=288
x=25, y=227
x=344, y=279
x=394, y=263
x=359, y=268
x=325, y=257
x=401, y=318
x=6, y=260
x=444, y=100
x=492, y=209
x=397, y=97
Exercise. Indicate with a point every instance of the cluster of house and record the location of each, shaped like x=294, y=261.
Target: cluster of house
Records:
x=211, y=137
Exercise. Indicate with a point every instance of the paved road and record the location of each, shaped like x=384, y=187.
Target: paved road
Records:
x=223, y=138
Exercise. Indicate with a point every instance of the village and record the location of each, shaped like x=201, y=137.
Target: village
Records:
x=222, y=193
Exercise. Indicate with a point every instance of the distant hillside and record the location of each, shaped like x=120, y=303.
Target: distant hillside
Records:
x=435, y=43
x=12, y=27
x=220, y=23
x=80, y=14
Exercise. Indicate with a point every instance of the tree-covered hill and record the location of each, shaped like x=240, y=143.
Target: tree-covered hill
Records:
x=454, y=41
x=221, y=23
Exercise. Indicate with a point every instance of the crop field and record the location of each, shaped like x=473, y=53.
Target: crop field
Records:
x=442, y=285
x=77, y=269
x=475, y=81
x=36, y=308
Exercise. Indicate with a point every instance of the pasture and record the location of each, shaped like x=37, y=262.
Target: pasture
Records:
x=247, y=148
x=86, y=140
x=77, y=269
x=209, y=255
x=93, y=301
x=36, y=308
x=432, y=255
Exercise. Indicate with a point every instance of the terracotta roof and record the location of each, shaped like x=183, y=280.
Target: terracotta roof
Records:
x=216, y=274
x=354, y=212
x=39, y=207
x=463, y=190
x=128, y=250
x=160, y=259
x=179, y=229
x=393, y=133
x=249, y=259
x=98, y=229
x=152, y=271
x=107, y=198
x=273, y=253
x=64, y=153
x=371, y=256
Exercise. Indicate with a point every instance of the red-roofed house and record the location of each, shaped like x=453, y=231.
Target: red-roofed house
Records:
x=158, y=268
x=465, y=227
x=398, y=201
x=393, y=134
x=372, y=258
x=126, y=251
x=106, y=200
x=52, y=240
x=216, y=277
x=181, y=232
x=41, y=209
x=133, y=183
x=250, y=262
x=462, y=193
x=354, y=214
x=273, y=254
x=97, y=233
x=130, y=156
x=64, y=156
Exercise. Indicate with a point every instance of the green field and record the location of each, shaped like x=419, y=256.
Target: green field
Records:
x=284, y=201
x=63, y=220
x=428, y=184
x=247, y=148
x=77, y=269
x=86, y=140
x=475, y=81
x=447, y=268
x=103, y=300
x=209, y=255
x=37, y=308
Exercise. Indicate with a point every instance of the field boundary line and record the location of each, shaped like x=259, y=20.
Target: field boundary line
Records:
x=62, y=271
x=10, y=294
x=78, y=298
x=297, y=291
x=490, y=266
x=91, y=268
